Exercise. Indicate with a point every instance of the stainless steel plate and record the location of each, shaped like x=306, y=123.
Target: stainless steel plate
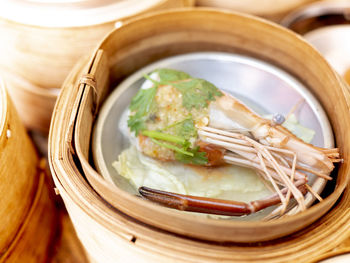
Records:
x=262, y=86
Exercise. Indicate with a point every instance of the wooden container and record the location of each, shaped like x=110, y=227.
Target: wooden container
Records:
x=270, y=9
x=35, y=104
x=114, y=225
x=326, y=25
x=39, y=48
x=36, y=235
x=27, y=213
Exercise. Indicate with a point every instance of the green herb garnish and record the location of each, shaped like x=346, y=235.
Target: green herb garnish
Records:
x=141, y=105
x=184, y=128
x=196, y=93
x=183, y=152
x=171, y=75
x=176, y=149
x=198, y=157
x=166, y=137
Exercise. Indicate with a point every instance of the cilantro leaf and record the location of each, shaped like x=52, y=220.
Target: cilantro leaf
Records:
x=184, y=128
x=177, y=150
x=171, y=75
x=198, y=157
x=187, y=129
x=136, y=123
x=196, y=93
x=141, y=105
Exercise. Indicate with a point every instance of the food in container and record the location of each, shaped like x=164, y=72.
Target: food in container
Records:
x=176, y=123
x=116, y=225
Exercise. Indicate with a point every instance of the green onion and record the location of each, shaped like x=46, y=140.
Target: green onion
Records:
x=165, y=137
x=172, y=147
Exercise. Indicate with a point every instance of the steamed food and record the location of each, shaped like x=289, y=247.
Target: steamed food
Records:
x=192, y=140
x=228, y=182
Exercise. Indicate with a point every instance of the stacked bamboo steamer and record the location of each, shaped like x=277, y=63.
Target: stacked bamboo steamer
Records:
x=42, y=40
x=27, y=212
x=116, y=226
x=270, y=9
x=326, y=25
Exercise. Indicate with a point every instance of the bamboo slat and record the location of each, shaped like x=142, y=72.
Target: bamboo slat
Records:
x=38, y=55
x=126, y=227
x=67, y=248
x=25, y=229
x=33, y=241
x=15, y=170
x=35, y=104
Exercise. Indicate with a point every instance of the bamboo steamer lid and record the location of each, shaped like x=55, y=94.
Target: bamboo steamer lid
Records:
x=24, y=198
x=271, y=9
x=42, y=40
x=104, y=215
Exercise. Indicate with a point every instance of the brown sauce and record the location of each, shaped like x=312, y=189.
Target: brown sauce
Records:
x=214, y=153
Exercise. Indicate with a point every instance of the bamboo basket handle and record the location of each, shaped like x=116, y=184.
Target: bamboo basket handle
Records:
x=86, y=83
x=92, y=86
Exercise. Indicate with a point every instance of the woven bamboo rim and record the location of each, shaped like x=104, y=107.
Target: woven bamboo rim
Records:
x=24, y=199
x=68, y=152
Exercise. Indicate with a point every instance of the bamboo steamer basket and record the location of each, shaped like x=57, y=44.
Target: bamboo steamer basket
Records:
x=37, y=234
x=35, y=104
x=114, y=225
x=25, y=230
x=42, y=40
x=326, y=26
x=270, y=9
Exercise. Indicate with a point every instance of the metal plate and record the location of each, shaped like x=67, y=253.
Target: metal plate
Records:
x=262, y=86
